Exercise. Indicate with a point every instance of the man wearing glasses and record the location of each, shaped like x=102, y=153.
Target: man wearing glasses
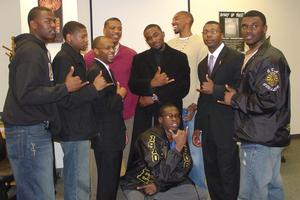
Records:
x=161, y=162
x=214, y=121
x=108, y=145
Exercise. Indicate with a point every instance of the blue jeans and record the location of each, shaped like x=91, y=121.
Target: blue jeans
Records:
x=197, y=173
x=30, y=153
x=76, y=170
x=260, y=173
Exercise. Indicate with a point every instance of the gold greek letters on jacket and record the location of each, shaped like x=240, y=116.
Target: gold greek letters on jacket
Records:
x=151, y=146
x=186, y=157
x=144, y=176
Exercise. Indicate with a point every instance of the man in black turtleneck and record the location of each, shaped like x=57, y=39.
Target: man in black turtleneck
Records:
x=159, y=75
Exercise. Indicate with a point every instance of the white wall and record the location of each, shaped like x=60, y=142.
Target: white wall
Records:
x=282, y=18
x=283, y=26
x=135, y=16
x=69, y=13
x=8, y=10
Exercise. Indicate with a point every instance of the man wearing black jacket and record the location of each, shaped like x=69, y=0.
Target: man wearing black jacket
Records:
x=161, y=162
x=221, y=66
x=158, y=75
x=75, y=111
x=30, y=107
x=263, y=110
x=108, y=145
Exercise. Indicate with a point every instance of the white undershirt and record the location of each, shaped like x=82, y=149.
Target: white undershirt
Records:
x=216, y=53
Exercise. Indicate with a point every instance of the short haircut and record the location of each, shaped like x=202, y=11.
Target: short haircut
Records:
x=152, y=26
x=72, y=27
x=256, y=13
x=111, y=19
x=164, y=106
x=188, y=14
x=35, y=12
x=217, y=23
x=96, y=41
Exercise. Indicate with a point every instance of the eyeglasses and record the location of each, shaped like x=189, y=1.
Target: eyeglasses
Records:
x=213, y=32
x=170, y=116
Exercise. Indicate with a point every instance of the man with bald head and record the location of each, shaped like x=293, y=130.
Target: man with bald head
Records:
x=121, y=67
x=108, y=145
x=192, y=45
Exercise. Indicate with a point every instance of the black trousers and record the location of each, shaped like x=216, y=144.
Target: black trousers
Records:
x=108, y=170
x=222, y=168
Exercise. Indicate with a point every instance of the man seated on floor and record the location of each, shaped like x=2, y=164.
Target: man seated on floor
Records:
x=161, y=162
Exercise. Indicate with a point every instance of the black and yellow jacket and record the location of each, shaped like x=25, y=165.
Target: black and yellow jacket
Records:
x=154, y=162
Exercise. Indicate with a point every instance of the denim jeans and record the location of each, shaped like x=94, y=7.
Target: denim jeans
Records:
x=260, y=173
x=76, y=170
x=197, y=172
x=30, y=153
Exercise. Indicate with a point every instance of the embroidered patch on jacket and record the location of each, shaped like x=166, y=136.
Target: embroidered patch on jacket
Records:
x=144, y=176
x=272, y=80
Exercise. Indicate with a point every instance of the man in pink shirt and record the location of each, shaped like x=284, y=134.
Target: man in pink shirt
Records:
x=121, y=68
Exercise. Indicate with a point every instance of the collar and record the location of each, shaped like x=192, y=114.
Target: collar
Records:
x=265, y=45
x=70, y=50
x=184, y=38
x=103, y=63
x=160, y=132
x=217, y=51
x=117, y=48
x=159, y=51
x=26, y=37
x=107, y=68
